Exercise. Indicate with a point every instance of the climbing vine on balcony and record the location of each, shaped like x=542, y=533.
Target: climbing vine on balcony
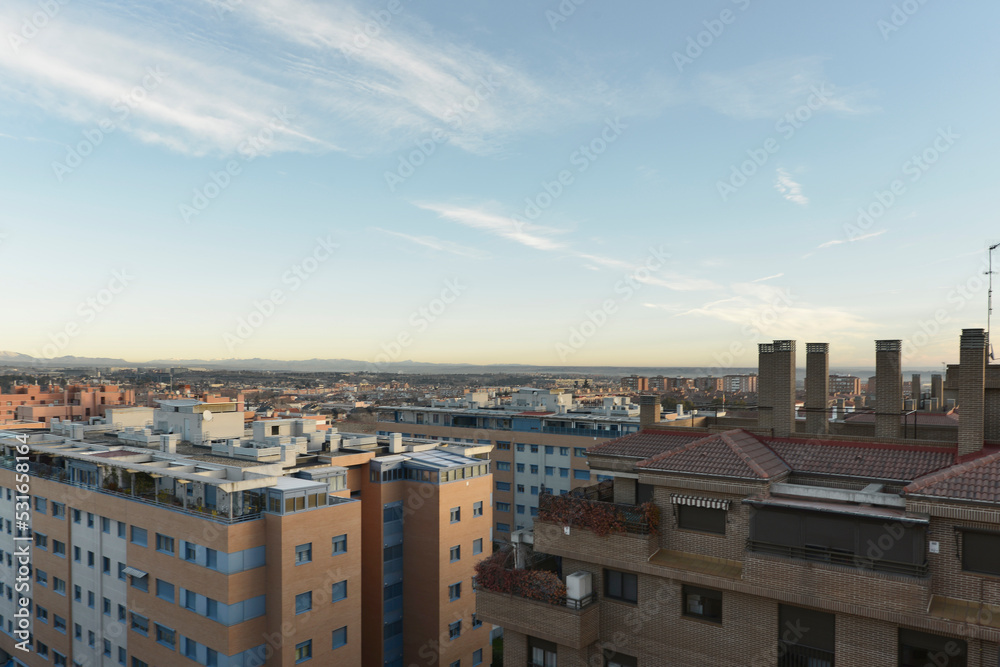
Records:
x=599, y=517
x=495, y=574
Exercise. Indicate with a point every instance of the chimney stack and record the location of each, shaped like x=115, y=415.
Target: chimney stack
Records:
x=915, y=390
x=783, y=397
x=765, y=385
x=818, y=388
x=888, y=388
x=937, y=390
x=971, y=388
x=649, y=410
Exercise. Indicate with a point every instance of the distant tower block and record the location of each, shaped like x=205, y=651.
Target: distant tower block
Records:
x=818, y=388
x=765, y=385
x=937, y=390
x=971, y=388
x=915, y=390
x=783, y=398
x=888, y=388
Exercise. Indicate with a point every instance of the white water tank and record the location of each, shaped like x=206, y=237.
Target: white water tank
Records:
x=579, y=586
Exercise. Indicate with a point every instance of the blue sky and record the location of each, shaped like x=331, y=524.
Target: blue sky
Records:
x=534, y=182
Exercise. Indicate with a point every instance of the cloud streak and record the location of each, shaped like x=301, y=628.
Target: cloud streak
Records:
x=789, y=189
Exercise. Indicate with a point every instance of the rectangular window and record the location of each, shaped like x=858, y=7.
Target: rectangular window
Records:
x=76, y=516
x=456, y=553
x=454, y=630
x=303, y=553
x=165, y=636
x=340, y=637
x=121, y=529
x=520, y=509
x=339, y=591
x=455, y=591
x=165, y=544
x=456, y=514
x=806, y=636
x=477, y=508
x=702, y=519
x=140, y=583
x=340, y=544
x=303, y=651
x=621, y=586
x=534, y=449
x=105, y=525
x=164, y=590
x=503, y=466
x=579, y=451
x=139, y=624
x=564, y=451
x=190, y=552
x=622, y=660
x=919, y=649
x=534, y=469
x=40, y=504
x=477, y=657
x=105, y=565
x=59, y=548
x=979, y=552
x=503, y=445
x=549, y=450
x=107, y=607
x=139, y=536
x=564, y=472
x=502, y=486
x=90, y=559
x=520, y=447
x=581, y=474
x=520, y=467
x=550, y=470
x=76, y=554
x=702, y=603
x=477, y=546
x=503, y=527
x=534, y=490
x=59, y=623
x=502, y=507
x=303, y=602
x=58, y=510
x=59, y=585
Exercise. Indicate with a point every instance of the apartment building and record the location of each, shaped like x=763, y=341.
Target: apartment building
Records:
x=739, y=547
x=76, y=402
x=265, y=550
x=635, y=383
x=740, y=384
x=845, y=384
x=539, y=443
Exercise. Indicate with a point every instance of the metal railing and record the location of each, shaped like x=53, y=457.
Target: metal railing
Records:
x=589, y=432
x=632, y=517
x=562, y=601
x=838, y=557
x=794, y=655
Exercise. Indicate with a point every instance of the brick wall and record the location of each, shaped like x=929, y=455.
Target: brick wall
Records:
x=730, y=545
x=817, y=387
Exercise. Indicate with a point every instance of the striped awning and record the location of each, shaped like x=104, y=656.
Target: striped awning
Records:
x=699, y=501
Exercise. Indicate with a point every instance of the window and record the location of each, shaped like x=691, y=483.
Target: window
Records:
x=621, y=586
x=477, y=546
x=621, y=660
x=164, y=590
x=139, y=624
x=520, y=447
x=564, y=451
x=477, y=508
x=190, y=552
x=534, y=511
x=520, y=488
x=979, y=552
x=503, y=466
x=105, y=525
x=503, y=527
x=805, y=636
x=59, y=548
x=42, y=614
x=455, y=591
x=502, y=486
x=77, y=631
x=477, y=657
x=534, y=490
x=211, y=558
x=303, y=602
x=303, y=651
x=456, y=514
x=136, y=662
x=76, y=516
x=918, y=649
x=40, y=504
x=58, y=510
x=520, y=509
x=581, y=474
x=579, y=451
x=107, y=647
x=106, y=608
x=550, y=470
x=121, y=613
x=90, y=519
x=340, y=544
x=139, y=536
x=520, y=467
x=454, y=630
x=121, y=655
x=340, y=637
x=702, y=519
x=59, y=623
x=76, y=554
x=105, y=565
x=59, y=585
x=165, y=636
x=702, y=603
x=534, y=469
x=303, y=553
x=41, y=541
x=140, y=583
x=165, y=544
x=90, y=559
x=393, y=552
x=541, y=652
x=456, y=553
x=534, y=449
x=503, y=445
x=90, y=599
x=475, y=622
x=121, y=571
x=338, y=591
x=502, y=507
x=549, y=450
x=121, y=529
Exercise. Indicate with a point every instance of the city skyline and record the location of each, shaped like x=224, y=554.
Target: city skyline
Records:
x=568, y=184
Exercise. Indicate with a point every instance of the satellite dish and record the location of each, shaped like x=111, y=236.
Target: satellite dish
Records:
x=207, y=414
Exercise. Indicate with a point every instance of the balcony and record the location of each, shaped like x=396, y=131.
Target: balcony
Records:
x=573, y=623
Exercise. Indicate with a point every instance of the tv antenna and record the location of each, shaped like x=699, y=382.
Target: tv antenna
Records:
x=989, y=297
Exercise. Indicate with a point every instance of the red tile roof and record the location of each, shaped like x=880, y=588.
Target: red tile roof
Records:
x=885, y=462
x=976, y=480
x=731, y=454
x=644, y=444
x=922, y=418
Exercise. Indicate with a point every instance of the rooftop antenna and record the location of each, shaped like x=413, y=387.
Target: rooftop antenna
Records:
x=989, y=296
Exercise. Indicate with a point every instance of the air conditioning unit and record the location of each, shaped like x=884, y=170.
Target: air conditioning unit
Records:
x=579, y=586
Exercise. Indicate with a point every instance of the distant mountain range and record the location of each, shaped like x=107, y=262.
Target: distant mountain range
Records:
x=18, y=360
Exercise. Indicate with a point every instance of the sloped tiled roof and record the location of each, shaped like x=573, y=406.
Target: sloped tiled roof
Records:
x=976, y=480
x=886, y=462
x=731, y=454
x=644, y=444
x=922, y=419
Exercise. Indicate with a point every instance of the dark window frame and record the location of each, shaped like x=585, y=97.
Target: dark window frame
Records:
x=701, y=519
x=618, y=585
x=709, y=594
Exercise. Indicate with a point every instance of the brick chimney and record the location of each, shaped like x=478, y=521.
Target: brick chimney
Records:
x=971, y=387
x=888, y=388
x=818, y=388
x=765, y=385
x=915, y=390
x=649, y=410
x=783, y=397
x=937, y=390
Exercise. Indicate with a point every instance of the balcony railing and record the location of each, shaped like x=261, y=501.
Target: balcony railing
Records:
x=793, y=655
x=598, y=515
x=837, y=557
x=589, y=432
x=559, y=601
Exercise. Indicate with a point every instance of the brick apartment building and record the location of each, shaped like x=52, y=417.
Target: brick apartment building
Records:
x=285, y=547
x=76, y=402
x=635, y=383
x=845, y=384
x=746, y=547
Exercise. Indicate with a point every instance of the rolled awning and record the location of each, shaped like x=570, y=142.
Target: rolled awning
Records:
x=134, y=572
x=699, y=501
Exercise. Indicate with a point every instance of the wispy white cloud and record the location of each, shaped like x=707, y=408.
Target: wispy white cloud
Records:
x=766, y=278
x=789, y=188
x=435, y=243
x=854, y=239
